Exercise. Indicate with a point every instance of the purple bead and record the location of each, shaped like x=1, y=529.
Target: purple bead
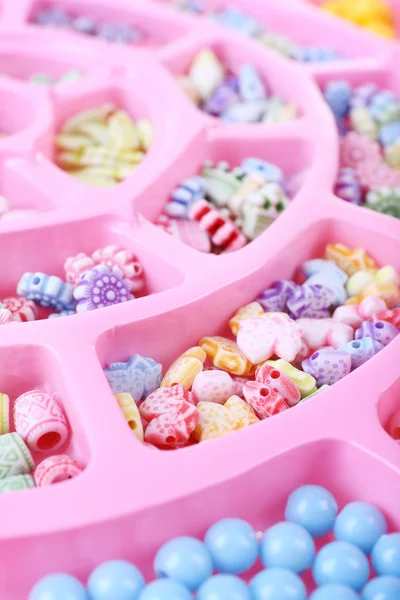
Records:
x=381, y=331
x=223, y=97
x=347, y=186
x=275, y=298
x=101, y=286
x=363, y=95
x=328, y=365
x=362, y=350
x=52, y=17
x=311, y=301
x=119, y=34
x=84, y=25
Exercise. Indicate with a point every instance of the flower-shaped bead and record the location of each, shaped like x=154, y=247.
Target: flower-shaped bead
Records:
x=101, y=286
x=139, y=376
x=125, y=260
x=75, y=266
x=357, y=149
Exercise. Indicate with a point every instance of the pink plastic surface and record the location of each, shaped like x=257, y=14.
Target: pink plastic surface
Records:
x=131, y=498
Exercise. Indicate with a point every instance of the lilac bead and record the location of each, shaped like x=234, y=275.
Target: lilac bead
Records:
x=381, y=331
x=118, y=33
x=338, y=94
x=311, y=301
x=347, y=186
x=52, y=17
x=328, y=366
x=101, y=286
x=223, y=98
x=84, y=24
x=275, y=298
x=328, y=267
x=363, y=95
x=362, y=350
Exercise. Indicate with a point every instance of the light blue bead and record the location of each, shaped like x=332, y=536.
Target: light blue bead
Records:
x=224, y=587
x=239, y=20
x=115, y=580
x=277, y=584
x=341, y=562
x=287, y=546
x=63, y=313
x=338, y=94
x=313, y=507
x=139, y=376
x=165, y=589
x=58, y=587
x=362, y=350
x=233, y=546
x=244, y=112
x=271, y=172
x=251, y=87
x=317, y=266
x=184, y=559
x=334, y=592
x=47, y=290
x=389, y=133
x=187, y=193
x=361, y=524
x=386, y=555
x=382, y=588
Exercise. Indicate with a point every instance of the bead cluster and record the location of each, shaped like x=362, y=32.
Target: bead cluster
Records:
x=248, y=26
x=223, y=208
x=57, y=16
x=368, y=120
x=187, y=567
x=34, y=425
x=102, y=146
x=241, y=98
x=375, y=15
x=109, y=276
x=294, y=340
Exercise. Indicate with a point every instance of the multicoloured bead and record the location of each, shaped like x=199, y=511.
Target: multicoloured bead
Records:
x=381, y=331
x=47, y=290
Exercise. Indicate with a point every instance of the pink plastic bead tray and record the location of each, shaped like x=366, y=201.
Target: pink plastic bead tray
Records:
x=131, y=498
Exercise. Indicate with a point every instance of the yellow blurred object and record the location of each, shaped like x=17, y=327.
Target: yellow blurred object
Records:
x=374, y=15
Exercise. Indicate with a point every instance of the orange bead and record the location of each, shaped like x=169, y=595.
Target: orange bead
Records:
x=226, y=355
x=349, y=260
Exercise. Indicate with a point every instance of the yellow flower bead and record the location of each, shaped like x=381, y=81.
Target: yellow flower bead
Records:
x=243, y=412
x=215, y=420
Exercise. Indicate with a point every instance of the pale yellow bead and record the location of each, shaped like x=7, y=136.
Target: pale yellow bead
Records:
x=71, y=141
x=96, y=132
x=145, y=132
x=242, y=411
x=122, y=131
x=184, y=370
x=206, y=72
x=4, y=414
x=250, y=311
x=359, y=281
x=215, y=420
x=305, y=382
x=388, y=274
x=93, y=114
x=131, y=414
x=392, y=156
x=189, y=88
x=363, y=123
x=95, y=177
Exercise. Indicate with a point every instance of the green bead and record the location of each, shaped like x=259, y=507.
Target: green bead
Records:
x=41, y=78
x=384, y=200
x=16, y=483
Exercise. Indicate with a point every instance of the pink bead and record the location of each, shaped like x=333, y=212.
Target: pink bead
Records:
x=357, y=149
x=75, y=266
x=165, y=400
x=188, y=232
x=349, y=315
x=304, y=352
x=278, y=382
x=325, y=332
x=172, y=430
x=261, y=338
x=21, y=309
x=55, y=469
x=264, y=401
x=371, y=305
x=213, y=386
x=40, y=421
x=125, y=260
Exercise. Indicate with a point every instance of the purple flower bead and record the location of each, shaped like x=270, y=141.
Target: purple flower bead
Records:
x=348, y=187
x=101, y=286
x=361, y=350
x=381, y=331
x=328, y=365
x=275, y=298
x=311, y=301
x=223, y=97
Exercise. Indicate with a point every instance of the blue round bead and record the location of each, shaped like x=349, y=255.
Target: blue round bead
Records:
x=313, y=507
x=288, y=546
x=338, y=94
x=165, y=589
x=361, y=524
x=341, y=562
x=115, y=580
x=277, y=584
x=233, y=546
x=58, y=587
x=224, y=587
x=382, y=588
x=334, y=591
x=184, y=559
x=386, y=555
